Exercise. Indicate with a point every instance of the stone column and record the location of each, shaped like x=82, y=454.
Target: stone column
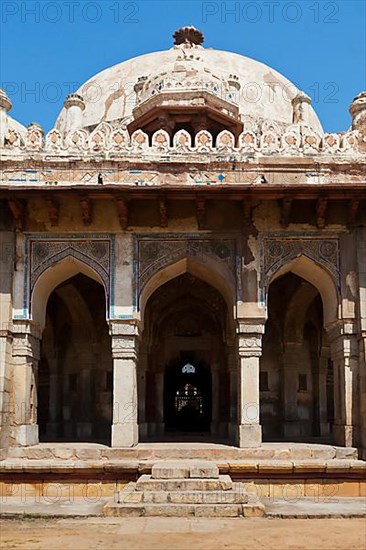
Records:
x=361, y=268
x=124, y=352
x=7, y=257
x=26, y=352
x=141, y=386
x=344, y=348
x=233, y=369
x=291, y=361
x=250, y=350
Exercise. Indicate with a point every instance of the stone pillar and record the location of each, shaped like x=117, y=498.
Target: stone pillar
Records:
x=344, y=348
x=124, y=352
x=26, y=350
x=291, y=360
x=7, y=256
x=232, y=368
x=361, y=269
x=141, y=386
x=250, y=350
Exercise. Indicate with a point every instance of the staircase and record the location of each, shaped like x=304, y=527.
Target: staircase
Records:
x=182, y=489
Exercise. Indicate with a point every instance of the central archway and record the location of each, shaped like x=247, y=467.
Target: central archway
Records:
x=188, y=396
x=184, y=362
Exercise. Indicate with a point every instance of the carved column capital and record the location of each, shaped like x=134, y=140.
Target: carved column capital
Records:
x=249, y=334
x=26, y=342
x=124, y=339
x=343, y=339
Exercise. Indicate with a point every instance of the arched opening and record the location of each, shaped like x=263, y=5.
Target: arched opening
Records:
x=61, y=270
x=187, y=396
x=75, y=368
x=296, y=391
x=183, y=362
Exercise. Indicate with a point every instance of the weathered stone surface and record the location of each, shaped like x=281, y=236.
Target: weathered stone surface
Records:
x=63, y=453
x=323, y=453
x=166, y=470
x=195, y=497
x=346, y=452
x=146, y=483
x=88, y=454
x=253, y=510
x=203, y=470
x=122, y=510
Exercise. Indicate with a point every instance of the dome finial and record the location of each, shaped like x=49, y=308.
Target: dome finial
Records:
x=188, y=35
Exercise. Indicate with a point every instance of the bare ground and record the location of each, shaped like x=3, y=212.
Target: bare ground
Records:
x=183, y=533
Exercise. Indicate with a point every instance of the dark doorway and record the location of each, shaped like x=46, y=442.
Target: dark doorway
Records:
x=75, y=368
x=187, y=397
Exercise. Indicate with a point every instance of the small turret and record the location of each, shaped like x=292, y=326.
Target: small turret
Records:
x=301, y=108
x=74, y=106
x=5, y=106
x=358, y=113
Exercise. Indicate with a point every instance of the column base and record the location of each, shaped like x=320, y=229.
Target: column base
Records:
x=249, y=435
x=343, y=435
x=124, y=435
x=26, y=435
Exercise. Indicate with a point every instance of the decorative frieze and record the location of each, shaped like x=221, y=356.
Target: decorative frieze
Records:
x=279, y=249
x=155, y=252
x=44, y=251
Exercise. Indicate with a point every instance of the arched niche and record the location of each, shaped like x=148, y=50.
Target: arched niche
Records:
x=320, y=278
x=213, y=275
x=51, y=278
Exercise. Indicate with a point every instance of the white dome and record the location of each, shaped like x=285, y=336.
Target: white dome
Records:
x=263, y=92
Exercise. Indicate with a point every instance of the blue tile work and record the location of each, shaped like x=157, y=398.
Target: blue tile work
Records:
x=168, y=248
x=105, y=268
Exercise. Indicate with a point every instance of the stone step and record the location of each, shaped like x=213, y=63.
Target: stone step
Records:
x=181, y=469
x=184, y=510
x=147, y=483
x=193, y=497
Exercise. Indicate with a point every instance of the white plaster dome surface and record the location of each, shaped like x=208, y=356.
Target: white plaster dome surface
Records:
x=264, y=93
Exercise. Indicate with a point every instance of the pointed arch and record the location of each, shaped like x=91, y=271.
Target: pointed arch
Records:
x=202, y=271
x=319, y=277
x=52, y=277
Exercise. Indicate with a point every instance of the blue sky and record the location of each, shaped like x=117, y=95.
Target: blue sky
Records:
x=48, y=48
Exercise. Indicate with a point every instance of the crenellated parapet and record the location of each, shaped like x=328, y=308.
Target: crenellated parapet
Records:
x=257, y=139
